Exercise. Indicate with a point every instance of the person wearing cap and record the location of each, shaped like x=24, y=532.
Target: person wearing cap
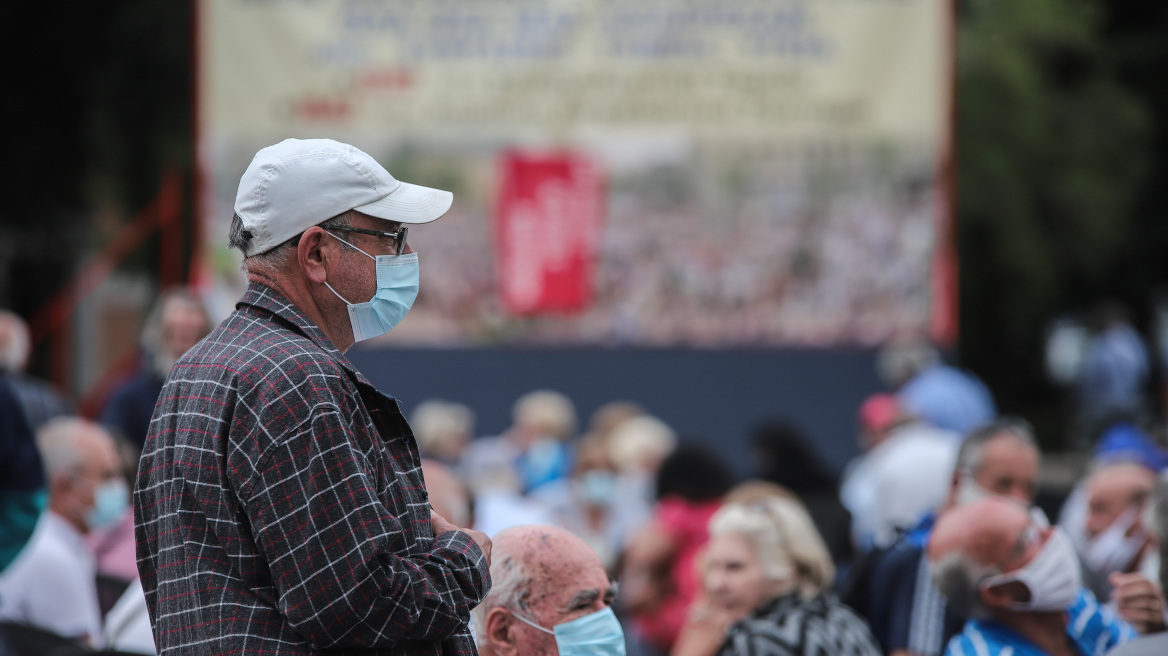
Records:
x=280, y=505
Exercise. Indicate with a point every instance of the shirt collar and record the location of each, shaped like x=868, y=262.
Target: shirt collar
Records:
x=266, y=299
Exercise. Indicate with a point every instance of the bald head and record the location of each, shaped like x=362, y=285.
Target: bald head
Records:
x=972, y=542
x=1114, y=488
x=545, y=575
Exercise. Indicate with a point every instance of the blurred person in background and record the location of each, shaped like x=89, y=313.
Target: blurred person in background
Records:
x=177, y=322
x=442, y=429
x=22, y=477
x=905, y=610
x=1102, y=513
x=537, y=443
x=905, y=475
x=944, y=396
x=448, y=496
x=782, y=454
x=587, y=503
x=39, y=400
x=766, y=574
x=113, y=546
x=1157, y=521
x=659, y=577
x=878, y=415
x=637, y=446
x=51, y=585
x=1019, y=584
x=1115, y=375
x=550, y=596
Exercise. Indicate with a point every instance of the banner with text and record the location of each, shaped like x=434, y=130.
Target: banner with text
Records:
x=767, y=170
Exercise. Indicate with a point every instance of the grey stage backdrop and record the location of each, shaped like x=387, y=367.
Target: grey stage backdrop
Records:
x=712, y=396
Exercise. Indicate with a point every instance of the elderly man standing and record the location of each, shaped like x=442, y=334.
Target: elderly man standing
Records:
x=551, y=597
x=1019, y=583
x=280, y=500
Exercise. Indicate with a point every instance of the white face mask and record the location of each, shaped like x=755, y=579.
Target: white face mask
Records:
x=969, y=491
x=1052, y=576
x=1113, y=549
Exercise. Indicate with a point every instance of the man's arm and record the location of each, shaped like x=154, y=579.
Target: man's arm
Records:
x=336, y=553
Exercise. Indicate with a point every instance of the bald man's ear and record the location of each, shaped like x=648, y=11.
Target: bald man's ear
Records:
x=1003, y=595
x=500, y=633
x=314, y=251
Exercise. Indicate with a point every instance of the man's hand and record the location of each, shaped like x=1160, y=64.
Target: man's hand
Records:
x=1138, y=600
x=441, y=526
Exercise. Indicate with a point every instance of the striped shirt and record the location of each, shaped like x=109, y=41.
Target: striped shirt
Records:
x=280, y=506
x=1092, y=627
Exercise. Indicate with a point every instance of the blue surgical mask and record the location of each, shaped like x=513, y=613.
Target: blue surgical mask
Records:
x=596, y=634
x=397, y=287
x=597, y=487
x=110, y=501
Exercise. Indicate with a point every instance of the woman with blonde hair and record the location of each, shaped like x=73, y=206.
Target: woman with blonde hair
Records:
x=766, y=575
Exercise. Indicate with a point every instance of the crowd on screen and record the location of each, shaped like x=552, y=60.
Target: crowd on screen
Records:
x=941, y=537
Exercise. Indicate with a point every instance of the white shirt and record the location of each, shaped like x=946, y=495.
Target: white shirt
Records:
x=52, y=583
x=127, y=625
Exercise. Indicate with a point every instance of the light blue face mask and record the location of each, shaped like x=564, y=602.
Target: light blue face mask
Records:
x=597, y=634
x=110, y=501
x=397, y=287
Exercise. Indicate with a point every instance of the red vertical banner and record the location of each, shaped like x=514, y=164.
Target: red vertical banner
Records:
x=547, y=228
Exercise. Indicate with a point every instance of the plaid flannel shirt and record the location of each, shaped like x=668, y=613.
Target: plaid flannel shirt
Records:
x=280, y=506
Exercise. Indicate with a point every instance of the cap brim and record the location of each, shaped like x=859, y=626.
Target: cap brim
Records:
x=410, y=203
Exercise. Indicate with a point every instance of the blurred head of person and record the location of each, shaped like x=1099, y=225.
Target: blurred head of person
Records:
x=640, y=444
x=901, y=359
x=991, y=560
x=1156, y=520
x=1000, y=458
x=877, y=416
x=14, y=342
x=542, y=414
x=443, y=429
x=762, y=550
x=611, y=415
x=549, y=595
x=783, y=454
x=177, y=322
x=594, y=480
x=694, y=474
x=1117, y=494
x=85, y=474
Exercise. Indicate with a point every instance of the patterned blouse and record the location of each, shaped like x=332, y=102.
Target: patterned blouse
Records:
x=789, y=626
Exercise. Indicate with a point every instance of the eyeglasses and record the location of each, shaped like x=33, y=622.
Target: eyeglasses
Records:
x=399, y=236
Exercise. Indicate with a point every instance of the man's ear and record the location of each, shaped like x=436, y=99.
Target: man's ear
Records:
x=501, y=631
x=1001, y=596
x=314, y=252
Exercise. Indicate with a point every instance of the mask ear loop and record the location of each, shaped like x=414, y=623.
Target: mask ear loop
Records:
x=346, y=302
x=530, y=623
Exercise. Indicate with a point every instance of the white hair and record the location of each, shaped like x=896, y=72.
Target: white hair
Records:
x=785, y=540
x=639, y=440
x=510, y=588
x=59, y=443
x=549, y=412
x=14, y=342
x=960, y=579
x=439, y=425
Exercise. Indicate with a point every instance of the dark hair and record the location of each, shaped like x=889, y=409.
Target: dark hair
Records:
x=783, y=454
x=693, y=473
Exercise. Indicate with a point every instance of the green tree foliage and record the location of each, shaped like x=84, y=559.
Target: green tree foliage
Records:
x=1052, y=151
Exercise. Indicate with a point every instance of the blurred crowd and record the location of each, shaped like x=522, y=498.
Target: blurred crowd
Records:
x=939, y=537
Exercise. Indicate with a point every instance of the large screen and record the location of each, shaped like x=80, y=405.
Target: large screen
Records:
x=707, y=173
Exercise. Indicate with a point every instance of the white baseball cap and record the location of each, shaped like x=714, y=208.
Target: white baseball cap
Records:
x=299, y=183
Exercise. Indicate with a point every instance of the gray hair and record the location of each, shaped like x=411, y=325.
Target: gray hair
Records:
x=510, y=589
x=784, y=539
x=58, y=443
x=277, y=258
x=960, y=579
x=969, y=455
